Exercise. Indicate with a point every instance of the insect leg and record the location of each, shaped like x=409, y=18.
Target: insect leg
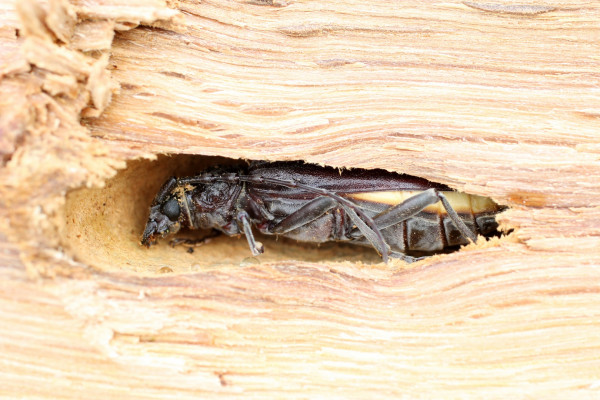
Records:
x=414, y=205
x=404, y=257
x=255, y=247
x=362, y=221
x=366, y=231
x=460, y=225
x=408, y=208
x=194, y=242
x=305, y=214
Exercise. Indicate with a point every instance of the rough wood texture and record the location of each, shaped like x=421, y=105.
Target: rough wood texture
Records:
x=496, y=99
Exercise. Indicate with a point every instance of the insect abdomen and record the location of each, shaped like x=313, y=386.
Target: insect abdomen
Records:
x=432, y=230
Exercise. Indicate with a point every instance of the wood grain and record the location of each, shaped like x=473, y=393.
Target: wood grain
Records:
x=498, y=99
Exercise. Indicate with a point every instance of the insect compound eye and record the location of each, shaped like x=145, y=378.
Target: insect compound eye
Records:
x=171, y=209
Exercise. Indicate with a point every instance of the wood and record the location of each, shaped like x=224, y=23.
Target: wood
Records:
x=494, y=99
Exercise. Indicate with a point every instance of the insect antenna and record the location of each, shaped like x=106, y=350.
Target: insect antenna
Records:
x=165, y=190
x=363, y=222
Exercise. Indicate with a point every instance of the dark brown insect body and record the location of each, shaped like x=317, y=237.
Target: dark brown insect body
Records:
x=395, y=214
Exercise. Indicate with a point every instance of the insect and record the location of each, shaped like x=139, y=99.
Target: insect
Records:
x=398, y=215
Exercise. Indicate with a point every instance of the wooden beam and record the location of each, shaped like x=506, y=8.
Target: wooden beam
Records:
x=495, y=99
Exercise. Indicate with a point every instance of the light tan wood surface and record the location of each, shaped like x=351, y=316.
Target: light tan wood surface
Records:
x=494, y=99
